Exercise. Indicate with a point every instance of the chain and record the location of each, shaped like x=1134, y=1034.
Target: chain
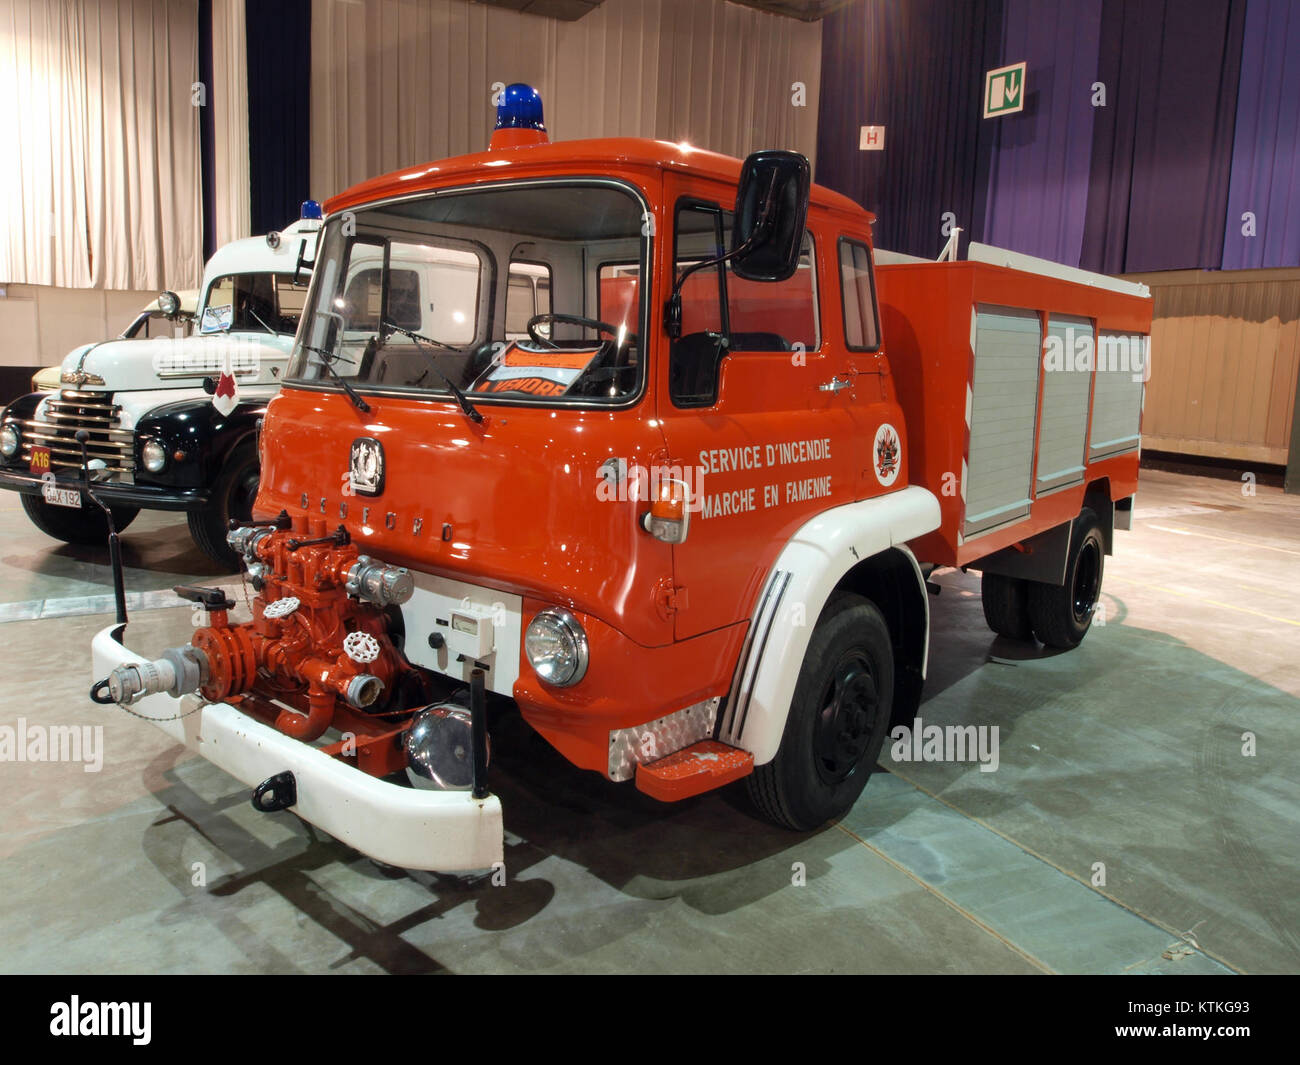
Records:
x=175, y=717
x=243, y=583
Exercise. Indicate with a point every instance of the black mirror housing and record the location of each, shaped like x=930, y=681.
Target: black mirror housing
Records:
x=771, y=213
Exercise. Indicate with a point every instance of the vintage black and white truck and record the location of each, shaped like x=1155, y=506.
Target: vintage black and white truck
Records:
x=169, y=422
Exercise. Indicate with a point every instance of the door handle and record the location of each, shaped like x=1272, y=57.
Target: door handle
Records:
x=835, y=384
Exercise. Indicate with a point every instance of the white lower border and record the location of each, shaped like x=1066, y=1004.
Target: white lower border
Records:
x=444, y=831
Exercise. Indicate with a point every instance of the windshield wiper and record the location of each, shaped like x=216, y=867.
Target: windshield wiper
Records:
x=471, y=412
x=258, y=318
x=394, y=327
x=327, y=360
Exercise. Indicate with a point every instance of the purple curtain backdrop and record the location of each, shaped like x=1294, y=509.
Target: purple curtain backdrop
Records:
x=1162, y=147
x=1266, y=144
x=1038, y=176
x=915, y=68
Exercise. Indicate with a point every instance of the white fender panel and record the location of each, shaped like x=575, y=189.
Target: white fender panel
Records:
x=807, y=571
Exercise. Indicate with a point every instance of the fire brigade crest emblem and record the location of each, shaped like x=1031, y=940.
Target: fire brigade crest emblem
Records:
x=366, y=470
x=888, y=453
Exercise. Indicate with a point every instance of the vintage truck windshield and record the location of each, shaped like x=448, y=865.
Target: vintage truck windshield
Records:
x=253, y=303
x=501, y=291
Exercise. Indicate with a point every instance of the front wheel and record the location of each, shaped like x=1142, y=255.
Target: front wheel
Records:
x=838, y=721
x=1062, y=614
x=81, y=525
x=232, y=498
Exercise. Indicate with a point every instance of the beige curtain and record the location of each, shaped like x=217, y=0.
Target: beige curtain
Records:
x=99, y=176
x=233, y=205
x=399, y=82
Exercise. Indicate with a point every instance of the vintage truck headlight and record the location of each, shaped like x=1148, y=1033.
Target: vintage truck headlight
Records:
x=10, y=440
x=557, y=647
x=154, y=456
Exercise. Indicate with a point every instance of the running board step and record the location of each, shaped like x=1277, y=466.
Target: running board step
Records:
x=698, y=768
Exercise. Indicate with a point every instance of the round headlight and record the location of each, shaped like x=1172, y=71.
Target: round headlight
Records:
x=154, y=456
x=170, y=304
x=557, y=647
x=10, y=441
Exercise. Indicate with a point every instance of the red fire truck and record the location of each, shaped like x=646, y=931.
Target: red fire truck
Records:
x=680, y=513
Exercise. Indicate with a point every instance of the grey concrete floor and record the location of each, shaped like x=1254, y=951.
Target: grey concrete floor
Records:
x=1126, y=753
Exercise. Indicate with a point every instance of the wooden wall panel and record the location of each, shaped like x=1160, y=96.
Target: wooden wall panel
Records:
x=1226, y=354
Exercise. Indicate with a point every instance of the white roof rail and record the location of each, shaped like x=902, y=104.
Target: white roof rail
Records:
x=884, y=257
x=987, y=253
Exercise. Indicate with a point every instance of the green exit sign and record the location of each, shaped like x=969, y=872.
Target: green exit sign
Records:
x=1004, y=90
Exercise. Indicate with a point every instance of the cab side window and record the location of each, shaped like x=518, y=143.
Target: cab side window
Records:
x=857, y=286
x=694, y=357
x=774, y=315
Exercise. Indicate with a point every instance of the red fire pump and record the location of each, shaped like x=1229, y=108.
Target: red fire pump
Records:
x=317, y=651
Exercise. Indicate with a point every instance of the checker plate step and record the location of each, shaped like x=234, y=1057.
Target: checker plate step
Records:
x=700, y=767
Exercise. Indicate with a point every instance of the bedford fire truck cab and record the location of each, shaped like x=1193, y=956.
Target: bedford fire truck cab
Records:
x=680, y=525
x=169, y=414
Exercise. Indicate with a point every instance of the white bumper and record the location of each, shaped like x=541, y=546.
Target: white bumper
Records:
x=444, y=831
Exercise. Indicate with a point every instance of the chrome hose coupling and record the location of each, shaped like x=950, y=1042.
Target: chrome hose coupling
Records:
x=376, y=582
x=180, y=671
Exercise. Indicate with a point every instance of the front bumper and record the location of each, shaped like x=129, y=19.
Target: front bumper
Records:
x=146, y=496
x=443, y=831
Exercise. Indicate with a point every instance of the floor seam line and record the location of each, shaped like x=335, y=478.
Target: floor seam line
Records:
x=1066, y=872
x=952, y=903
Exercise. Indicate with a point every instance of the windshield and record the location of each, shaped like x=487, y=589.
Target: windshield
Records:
x=497, y=291
x=254, y=303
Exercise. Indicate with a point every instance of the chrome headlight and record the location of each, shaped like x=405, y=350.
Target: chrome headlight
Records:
x=170, y=304
x=154, y=456
x=556, y=646
x=10, y=440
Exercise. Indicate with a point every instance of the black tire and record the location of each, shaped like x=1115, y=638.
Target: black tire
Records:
x=1006, y=606
x=1061, y=615
x=838, y=721
x=232, y=497
x=84, y=526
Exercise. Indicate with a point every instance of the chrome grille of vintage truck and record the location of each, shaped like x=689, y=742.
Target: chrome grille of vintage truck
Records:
x=71, y=411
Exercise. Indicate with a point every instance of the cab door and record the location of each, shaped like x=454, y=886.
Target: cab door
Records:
x=755, y=402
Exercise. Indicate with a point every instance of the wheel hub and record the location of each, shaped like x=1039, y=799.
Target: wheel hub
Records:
x=1087, y=581
x=850, y=706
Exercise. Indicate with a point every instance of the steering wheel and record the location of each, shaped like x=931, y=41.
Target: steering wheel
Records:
x=571, y=319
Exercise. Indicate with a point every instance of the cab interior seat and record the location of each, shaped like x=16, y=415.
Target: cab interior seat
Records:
x=694, y=360
x=759, y=342
x=693, y=368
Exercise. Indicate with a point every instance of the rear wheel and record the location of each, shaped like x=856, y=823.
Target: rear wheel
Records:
x=232, y=498
x=1006, y=606
x=1061, y=615
x=83, y=525
x=838, y=720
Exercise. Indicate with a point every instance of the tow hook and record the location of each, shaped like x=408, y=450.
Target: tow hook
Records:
x=275, y=793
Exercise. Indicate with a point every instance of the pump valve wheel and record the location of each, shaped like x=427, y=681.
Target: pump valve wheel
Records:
x=361, y=647
x=281, y=608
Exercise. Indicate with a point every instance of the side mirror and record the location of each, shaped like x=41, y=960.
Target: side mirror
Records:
x=771, y=212
x=169, y=303
x=303, y=263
